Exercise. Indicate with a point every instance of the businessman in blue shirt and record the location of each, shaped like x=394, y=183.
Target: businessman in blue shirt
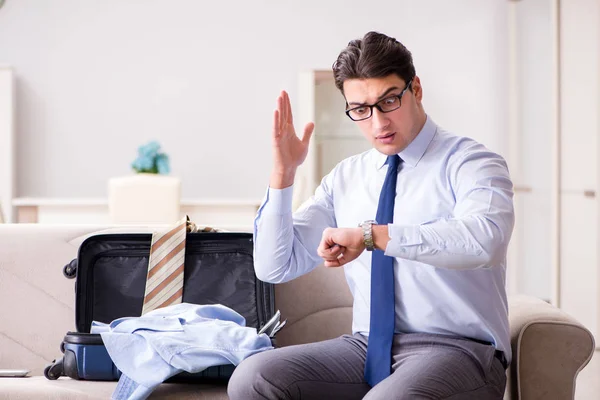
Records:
x=420, y=223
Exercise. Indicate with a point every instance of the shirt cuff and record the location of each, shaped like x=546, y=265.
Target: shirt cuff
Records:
x=278, y=201
x=404, y=241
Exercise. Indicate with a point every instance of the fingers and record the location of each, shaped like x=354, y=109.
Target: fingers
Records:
x=288, y=104
x=328, y=246
x=344, y=258
x=280, y=108
x=282, y=111
x=284, y=107
x=308, y=131
x=333, y=252
x=338, y=262
x=330, y=252
x=276, y=127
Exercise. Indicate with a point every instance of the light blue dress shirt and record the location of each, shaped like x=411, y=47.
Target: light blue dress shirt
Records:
x=166, y=341
x=453, y=219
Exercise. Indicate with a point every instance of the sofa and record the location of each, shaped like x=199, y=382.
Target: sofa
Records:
x=37, y=309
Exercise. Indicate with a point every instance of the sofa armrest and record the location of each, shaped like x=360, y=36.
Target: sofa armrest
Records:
x=549, y=349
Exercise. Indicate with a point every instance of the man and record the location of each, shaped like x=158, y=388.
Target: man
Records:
x=436, y=215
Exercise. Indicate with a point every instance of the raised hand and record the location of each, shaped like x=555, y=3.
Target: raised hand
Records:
x=289, y=151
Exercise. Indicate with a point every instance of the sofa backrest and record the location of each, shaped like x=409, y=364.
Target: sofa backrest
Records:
x=36, y=301
x=317, y=306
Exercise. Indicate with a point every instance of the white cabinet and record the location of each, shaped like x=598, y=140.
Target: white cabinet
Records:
x=335, y=138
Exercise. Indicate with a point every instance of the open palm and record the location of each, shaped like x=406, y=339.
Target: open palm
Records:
x=289, y=151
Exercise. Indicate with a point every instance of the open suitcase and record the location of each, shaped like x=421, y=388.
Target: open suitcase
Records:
x=111, y=271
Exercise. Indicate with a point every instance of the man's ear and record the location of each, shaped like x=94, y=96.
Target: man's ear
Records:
x=417, y=89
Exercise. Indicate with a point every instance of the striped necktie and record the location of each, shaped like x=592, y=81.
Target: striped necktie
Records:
x=164, y=283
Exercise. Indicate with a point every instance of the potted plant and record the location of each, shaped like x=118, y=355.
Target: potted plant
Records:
x=151, y=160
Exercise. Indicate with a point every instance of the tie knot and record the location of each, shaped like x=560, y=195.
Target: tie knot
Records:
x=393, y=161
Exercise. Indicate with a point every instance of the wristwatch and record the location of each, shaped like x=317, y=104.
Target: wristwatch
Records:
x=367, y=227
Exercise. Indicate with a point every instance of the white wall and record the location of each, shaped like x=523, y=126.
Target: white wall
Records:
x=96, y=78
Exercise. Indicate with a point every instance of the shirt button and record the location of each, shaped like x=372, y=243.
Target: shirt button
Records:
x=403, y=239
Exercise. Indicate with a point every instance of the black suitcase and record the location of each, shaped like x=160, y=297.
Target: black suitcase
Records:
x=111, y=270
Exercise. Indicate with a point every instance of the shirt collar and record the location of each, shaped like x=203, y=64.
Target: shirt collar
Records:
x=415, y=150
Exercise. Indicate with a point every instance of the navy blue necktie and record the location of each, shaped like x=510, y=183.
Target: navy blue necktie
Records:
x=378, y=365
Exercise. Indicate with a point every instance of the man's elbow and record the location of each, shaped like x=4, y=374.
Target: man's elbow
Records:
x=270, y=274
x=266, y=277
x=495, y=246
x=271, y=265
x=493, y=252
x=490, y=258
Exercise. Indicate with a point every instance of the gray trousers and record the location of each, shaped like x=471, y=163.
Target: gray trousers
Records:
x=425, y=366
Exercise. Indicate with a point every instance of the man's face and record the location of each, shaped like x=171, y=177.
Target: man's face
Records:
x=389, y=132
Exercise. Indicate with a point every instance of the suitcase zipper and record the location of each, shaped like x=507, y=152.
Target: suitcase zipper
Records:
x=261, y=303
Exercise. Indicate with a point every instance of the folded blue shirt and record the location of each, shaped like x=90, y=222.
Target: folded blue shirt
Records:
x=166, y=341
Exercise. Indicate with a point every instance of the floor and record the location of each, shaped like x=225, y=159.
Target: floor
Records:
x=588, y=381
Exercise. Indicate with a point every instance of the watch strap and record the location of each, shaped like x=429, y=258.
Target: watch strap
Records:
x=367, y=228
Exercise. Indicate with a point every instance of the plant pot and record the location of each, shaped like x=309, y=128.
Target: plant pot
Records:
x=144, y=198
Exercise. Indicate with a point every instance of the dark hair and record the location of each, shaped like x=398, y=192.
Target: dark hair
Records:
x=374, y=56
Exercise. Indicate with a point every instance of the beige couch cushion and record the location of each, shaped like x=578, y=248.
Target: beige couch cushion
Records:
x=317, y=306
x=38, y=387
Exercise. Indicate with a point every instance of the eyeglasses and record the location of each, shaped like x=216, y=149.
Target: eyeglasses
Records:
x=386, y=105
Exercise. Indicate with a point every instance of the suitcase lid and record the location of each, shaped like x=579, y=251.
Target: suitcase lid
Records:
x=219, y=269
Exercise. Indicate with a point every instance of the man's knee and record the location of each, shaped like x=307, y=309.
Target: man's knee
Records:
x=378, y=393
x=254, y=378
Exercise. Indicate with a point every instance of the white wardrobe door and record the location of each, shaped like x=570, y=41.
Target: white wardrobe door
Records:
x=580, y=70
x=530, y=263
x=579, y=266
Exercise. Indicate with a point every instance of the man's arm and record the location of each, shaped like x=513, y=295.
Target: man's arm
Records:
x=476, y=237
x=285, y=245
x=478, y=234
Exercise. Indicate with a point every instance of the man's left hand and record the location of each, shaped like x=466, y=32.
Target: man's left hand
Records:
x=339, y=246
